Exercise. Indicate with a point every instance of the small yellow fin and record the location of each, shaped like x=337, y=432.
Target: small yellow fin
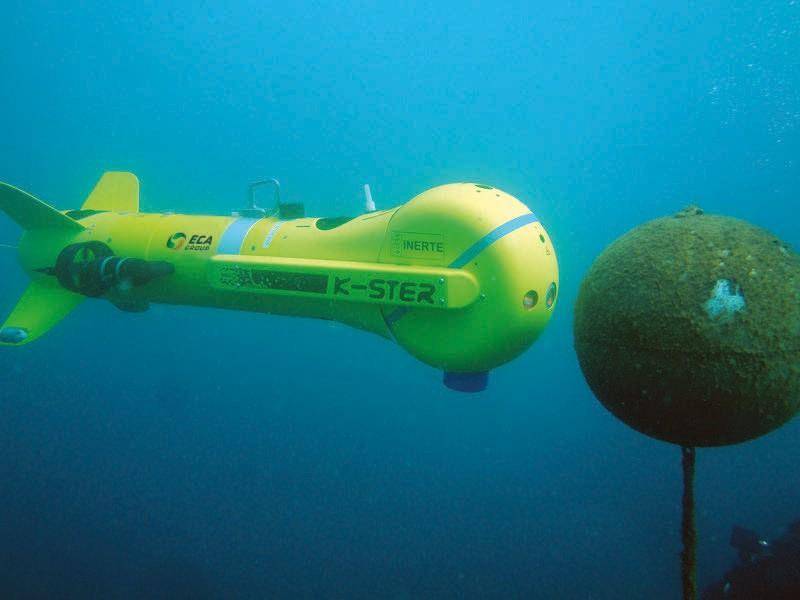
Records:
x=117, y=191
x=41, y=307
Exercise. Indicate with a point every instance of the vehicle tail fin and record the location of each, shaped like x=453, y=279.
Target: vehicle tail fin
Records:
x=41, y=307
x=117, y=191
x=31, y=213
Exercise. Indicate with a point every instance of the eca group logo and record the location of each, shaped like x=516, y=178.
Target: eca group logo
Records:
x=198, y=241
x=176, y=241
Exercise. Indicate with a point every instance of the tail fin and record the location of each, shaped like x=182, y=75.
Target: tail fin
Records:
x=45, y=302
x=41, y=307
x=116, y=191
x=32, y=213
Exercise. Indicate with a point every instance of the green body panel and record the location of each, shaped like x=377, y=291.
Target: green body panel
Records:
x=345, y=281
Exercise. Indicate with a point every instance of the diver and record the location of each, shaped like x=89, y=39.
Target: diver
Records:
x=748, y=544
x=765, y=570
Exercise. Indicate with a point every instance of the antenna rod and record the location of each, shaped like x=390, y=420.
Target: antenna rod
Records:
x=370, y=203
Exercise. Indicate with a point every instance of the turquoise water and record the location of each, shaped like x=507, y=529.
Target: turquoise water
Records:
x=205, y=453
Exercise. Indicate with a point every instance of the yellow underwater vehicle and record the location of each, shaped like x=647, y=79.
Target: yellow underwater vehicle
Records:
x=464, y=277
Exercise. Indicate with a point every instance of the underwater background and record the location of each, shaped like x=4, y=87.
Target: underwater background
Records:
x=201, y=453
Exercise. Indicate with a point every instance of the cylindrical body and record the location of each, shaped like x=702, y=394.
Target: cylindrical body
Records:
x=463, y=276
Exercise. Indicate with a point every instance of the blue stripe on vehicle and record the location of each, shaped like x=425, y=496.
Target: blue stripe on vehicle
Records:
x=233, y=238
x=491, y=237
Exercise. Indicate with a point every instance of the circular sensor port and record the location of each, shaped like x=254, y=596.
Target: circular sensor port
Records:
x=530, y=299
x=550, y=298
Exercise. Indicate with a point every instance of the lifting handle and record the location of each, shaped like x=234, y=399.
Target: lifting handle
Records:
x=251, y=193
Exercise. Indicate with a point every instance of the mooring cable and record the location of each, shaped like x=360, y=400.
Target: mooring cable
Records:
x=688, y=527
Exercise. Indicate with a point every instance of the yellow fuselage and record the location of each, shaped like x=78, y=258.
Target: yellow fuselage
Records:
x=463, y=276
